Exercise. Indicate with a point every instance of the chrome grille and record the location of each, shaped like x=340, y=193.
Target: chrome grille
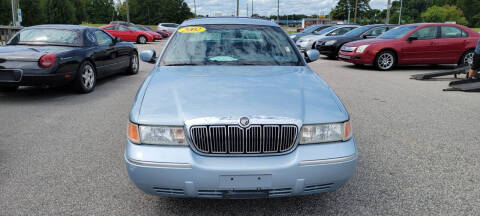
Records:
x=233, y=139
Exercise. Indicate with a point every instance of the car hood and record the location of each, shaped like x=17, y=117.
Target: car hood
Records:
x=368, y=42
x=30, y=53
x=339, y=38
x=178, y=94
x=312, y=36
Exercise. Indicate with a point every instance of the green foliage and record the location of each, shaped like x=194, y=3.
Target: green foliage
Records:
x=444, y=14
x=60, y=12
x=341, y=10
x=32, y=12
x=157, y=11
x=99, y=11
x=471, y=9
x=5, y=12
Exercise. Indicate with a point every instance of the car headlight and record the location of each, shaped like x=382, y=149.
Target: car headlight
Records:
x=321, y=133
x=157, y=135
x=330, y=42
x=361, y=49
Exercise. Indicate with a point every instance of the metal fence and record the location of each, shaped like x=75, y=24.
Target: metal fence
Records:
x=6, y=32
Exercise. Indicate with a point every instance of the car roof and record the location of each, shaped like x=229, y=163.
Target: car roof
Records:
x=62, y=26
x=227, y=21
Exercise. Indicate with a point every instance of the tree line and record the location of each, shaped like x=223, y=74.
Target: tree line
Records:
x=148, y=12
x=463, y=12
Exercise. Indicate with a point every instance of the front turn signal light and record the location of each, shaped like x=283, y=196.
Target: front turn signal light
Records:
x=132, y=133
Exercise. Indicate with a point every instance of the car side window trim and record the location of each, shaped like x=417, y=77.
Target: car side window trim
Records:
x=437, y=35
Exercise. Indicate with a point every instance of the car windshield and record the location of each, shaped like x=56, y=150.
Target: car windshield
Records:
x=397, y=32
x=326, y=30
x=230, y=45
x=358, y=31
x=44, y=36
x=310, y=29
x=136, y=28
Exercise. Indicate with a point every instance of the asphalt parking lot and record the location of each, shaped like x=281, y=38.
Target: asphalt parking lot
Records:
x=61, y=153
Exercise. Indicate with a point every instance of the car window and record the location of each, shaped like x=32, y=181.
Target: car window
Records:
x=121, y=28
x=340, y=31
x=451, y=32
x=103, y=39
x=231, y=45
x=325, y=30
x=376, y=31
x=46, y=36
x=397, y=32
x=426, y=33
x=110, y=28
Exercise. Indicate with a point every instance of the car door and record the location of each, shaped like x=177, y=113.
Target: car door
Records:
x=105, y=54
x=125, y=33
x=452, y=44
x=422, y=50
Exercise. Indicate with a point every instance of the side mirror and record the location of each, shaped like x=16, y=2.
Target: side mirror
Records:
x=412, y=38
x=312, y=55
x=149, y=56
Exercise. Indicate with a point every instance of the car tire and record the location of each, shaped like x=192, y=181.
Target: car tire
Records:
x=134, y=64
x=9, y=88
x=385, y=60
x=86, y=78
x=466, y=59
x=142, y=39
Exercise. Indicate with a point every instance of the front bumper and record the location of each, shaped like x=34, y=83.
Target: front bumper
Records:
x=357, y=58
x=326, y=50
x=180, y=172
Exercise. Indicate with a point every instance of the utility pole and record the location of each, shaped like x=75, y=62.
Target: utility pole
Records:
x=387, y=20
x=356, y=8
x=252, y=7
x=14, y=18
x=128, y=12
x=195, y=7
x=349, y=9
x=238, y=8
x=400, y=15
x=278, y=12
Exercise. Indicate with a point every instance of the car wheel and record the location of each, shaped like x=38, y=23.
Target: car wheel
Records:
x=467, y=59
x=86, y=78
x=134, y=64
x=9, y=89
x=142, y=39
x=385, y=60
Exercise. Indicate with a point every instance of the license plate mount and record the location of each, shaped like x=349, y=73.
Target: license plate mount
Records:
x=10, y=75
x=245, y=182
x=344, y=56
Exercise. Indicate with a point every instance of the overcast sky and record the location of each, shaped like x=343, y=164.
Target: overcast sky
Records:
x=269, y=7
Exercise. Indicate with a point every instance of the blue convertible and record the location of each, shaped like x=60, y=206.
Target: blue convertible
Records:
x=232, y=110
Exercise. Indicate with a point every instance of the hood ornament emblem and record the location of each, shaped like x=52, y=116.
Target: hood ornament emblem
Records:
x=244, y=121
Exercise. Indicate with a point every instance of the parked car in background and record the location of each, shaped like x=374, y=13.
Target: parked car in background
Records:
x=211, y=121
x=169, y=27
x=308, y=42
x=330, y=46
x=162, y=33
x=156, y=36
x=56, y=55
x=433, y=43
x=128, y=34
x=128, y=24
x=166, y=32
x=308, y=31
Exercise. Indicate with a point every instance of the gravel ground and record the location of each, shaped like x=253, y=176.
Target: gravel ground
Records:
x=62, y=153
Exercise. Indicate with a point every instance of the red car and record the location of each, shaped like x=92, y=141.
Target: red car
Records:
x=433, y=43
x=129, y=33
x=155, y=34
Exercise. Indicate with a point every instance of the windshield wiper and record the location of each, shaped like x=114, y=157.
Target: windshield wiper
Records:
x=182, y=64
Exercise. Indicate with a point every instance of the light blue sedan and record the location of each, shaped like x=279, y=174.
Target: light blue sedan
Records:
x=232, y=110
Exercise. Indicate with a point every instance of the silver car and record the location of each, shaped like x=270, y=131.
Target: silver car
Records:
x=169, y=27
x=232, y=110
x=308, y=42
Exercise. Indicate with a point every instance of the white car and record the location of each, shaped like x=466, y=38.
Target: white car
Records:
x=169, y=27
x=308, y=42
